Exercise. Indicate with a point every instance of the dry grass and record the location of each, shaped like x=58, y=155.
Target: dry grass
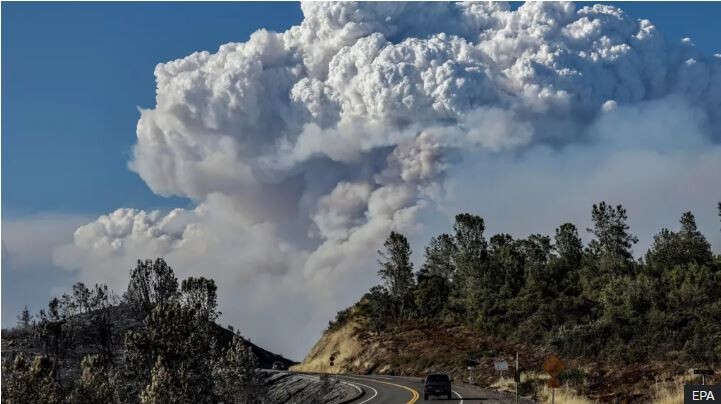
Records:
x=563, y=395
x=505, y=384
x=671, y=393
x=340, y=341
x=669, y=396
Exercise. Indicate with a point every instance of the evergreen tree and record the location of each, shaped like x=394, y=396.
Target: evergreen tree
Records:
x=236, y=377
x=696, y=249
x=151, y=282
x=506, y=267
x=613, y=243
x=30, y=382
x=568, y=244
x=183, y=340
x=431, y=295
x=470, y=259
x=376, y=305
x=439, y=255
x=200, y=294
x=469, y=240
x=163, y=387
x=96, y=384
x=396, y=271
x=687, y=246
x=24, y=318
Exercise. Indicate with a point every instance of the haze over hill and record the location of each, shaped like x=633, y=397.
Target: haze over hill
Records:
x=302, y=150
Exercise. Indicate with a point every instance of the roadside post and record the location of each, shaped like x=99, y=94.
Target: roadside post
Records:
x=470, y=374
x=517, y=377
x=703, y=373
x=332, y=362
x=553, y=366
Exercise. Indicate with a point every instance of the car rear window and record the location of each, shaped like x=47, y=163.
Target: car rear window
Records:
x=437, y=378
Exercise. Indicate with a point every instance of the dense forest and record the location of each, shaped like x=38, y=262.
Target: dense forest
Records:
x=158, y=343
x=594, y=301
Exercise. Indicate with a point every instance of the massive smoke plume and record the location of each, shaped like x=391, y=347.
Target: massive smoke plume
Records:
x=303, y=149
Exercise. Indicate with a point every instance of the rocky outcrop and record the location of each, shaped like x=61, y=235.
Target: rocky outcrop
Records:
x=291, y=388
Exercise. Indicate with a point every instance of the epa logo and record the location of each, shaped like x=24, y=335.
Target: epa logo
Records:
x=702, y=394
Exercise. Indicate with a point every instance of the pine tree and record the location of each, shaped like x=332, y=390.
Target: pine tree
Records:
x=200, y=294
x=151, y=282
x=34, y=382
x=163, y=388
x=470, y=279
x=613, y=243
x=439, y=255
x=235, y=373
x=183, y=340
x=687, y=246
x=96, y=384
x=397, y=271
x=568, y=244
x=24, y=318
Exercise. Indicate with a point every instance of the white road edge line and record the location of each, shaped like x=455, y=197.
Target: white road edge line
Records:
x=375, y=392
x=459, y=396
x=356, y=387
x=372, y=377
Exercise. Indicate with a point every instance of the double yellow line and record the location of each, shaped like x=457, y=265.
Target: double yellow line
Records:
x=414, y=394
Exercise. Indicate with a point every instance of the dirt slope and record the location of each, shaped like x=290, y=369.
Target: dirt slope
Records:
x=415, y=349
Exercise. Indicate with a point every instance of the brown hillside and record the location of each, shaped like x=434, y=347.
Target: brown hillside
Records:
x=417, y=348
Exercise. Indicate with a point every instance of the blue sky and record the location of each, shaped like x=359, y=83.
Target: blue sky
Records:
x=74, y=74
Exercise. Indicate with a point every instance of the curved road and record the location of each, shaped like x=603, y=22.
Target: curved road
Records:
x=409, y=390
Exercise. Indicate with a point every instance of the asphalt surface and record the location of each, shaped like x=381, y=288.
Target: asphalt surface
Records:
x=409, y=390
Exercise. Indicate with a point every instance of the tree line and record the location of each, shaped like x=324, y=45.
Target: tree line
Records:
x=594, y=301
x=173, y=354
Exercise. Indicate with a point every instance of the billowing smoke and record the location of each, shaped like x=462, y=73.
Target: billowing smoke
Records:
x=303, y=149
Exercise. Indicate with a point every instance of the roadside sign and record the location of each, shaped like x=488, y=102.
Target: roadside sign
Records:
x=500, y=365
x=703, y=373
x=553, y=366
x=473, y=362
x=553, y=384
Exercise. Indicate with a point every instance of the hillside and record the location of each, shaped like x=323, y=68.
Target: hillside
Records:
x=157, y=342
x=419, y=348
x=414, y=348
x=626, y=328
x=122, y=319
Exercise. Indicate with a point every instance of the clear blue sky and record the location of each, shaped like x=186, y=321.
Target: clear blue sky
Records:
x=74, y=73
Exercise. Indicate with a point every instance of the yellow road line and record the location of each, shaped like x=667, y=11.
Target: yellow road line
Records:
x=414, y=394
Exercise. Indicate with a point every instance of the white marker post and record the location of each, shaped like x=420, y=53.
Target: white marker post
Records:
x=517, y=377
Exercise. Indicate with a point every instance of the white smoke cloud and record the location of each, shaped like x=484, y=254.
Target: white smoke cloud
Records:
x=303, y=149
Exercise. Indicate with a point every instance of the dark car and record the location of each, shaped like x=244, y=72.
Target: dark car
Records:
x=278, y=366
x=437, y=385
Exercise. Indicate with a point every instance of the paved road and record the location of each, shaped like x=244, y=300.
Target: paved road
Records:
x=407, y=390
